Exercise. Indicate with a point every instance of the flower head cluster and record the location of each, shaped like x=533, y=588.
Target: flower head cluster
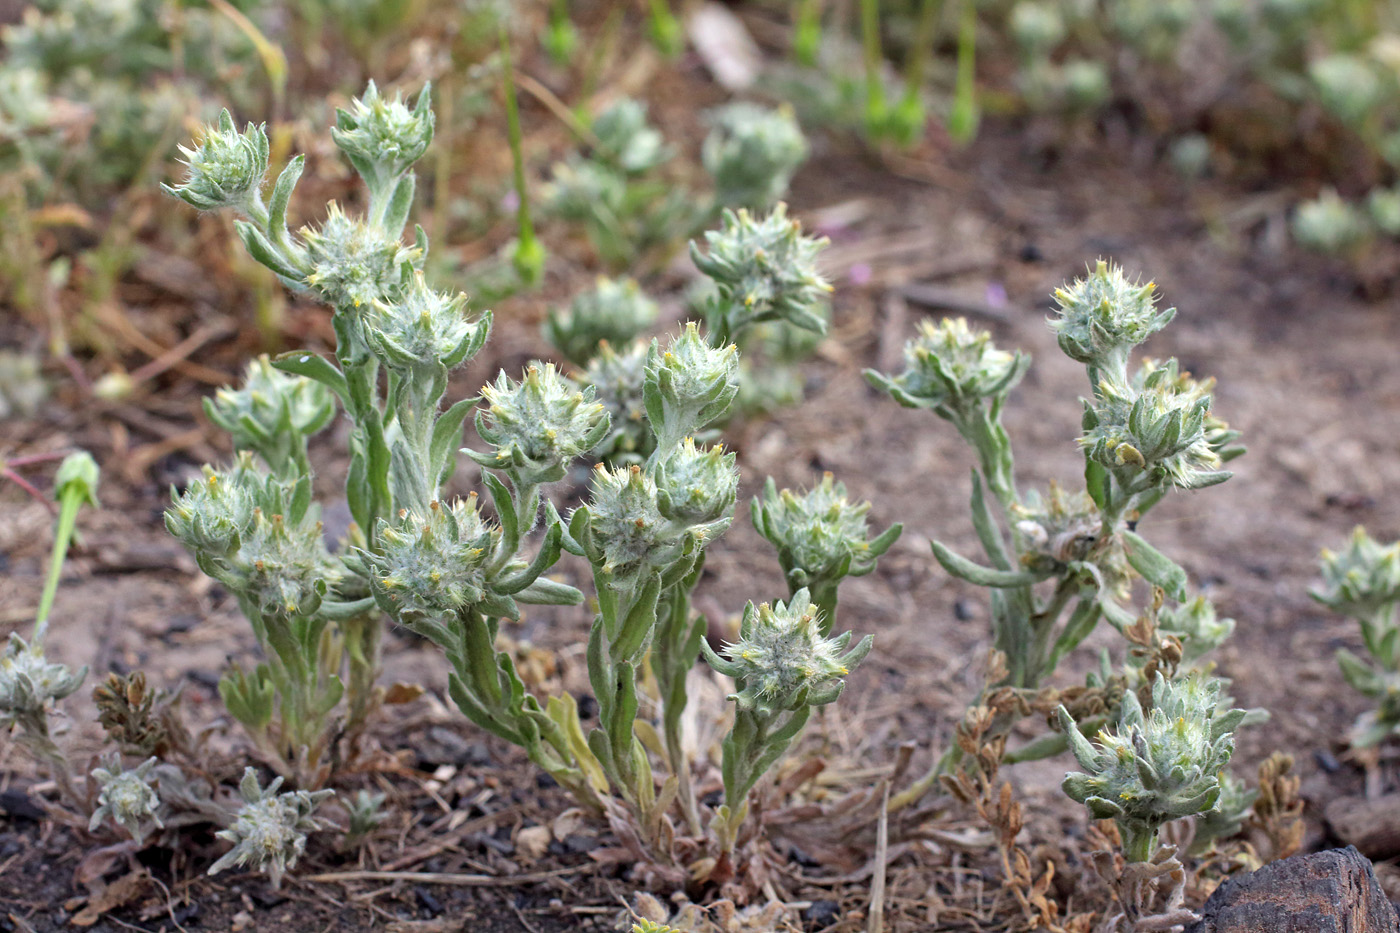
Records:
x=1330, y=224
x=697, y=485
x=689, y=384
x=539, y=424
x=627, y=140
x=952, y=366
x=355, y=264
x=430, y=567
x=29, y=682
x=1156, y=428
x=628, y=533
x=752, y=152
x=383, y=138
x=126, y=797
x=616, y=311
x=212, y=514
x=1037, y=26
x=271, y=411
x=1362, y=579
x=1156, y=766
x=619, y=380
x=765, y=270
x=226, y=170
x=1348, y=86
x=421, y=328
x=783, y=661
x=1103, y=316
x=820, y=535
x=269, y=832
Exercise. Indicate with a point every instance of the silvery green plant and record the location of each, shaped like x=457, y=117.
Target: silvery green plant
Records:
x=1331, y=224
x=1158, y=765
x=752, y=152
x=1363, y=583
x=1056, y=563
x=614, y=310
x=821, y=538
x=127, y=797
x=783, y=666
x=253, y=525
x=269, y=830
x=619, y=378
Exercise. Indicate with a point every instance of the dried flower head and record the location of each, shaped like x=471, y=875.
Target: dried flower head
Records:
x=782, y=660
x=383, y=138
x=537, y=426
x=269, y=832
x=226, y=170
x=1156, y=766
x=765, y=270
x=126, y=797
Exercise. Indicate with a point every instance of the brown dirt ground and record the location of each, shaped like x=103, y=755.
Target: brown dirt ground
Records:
x=1306, y=369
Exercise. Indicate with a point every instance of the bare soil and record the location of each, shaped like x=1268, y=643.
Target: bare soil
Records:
x=1306, y=370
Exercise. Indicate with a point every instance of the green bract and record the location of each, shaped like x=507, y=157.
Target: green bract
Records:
x=272, y=414
x=539, y=425
x=688, y=385
x=697, y=485
x=1157, y=766
x=424, y=329
x=764, y=270
x=430, y=567
x=1363, y=579
x=226, y=170
x=269, y=832
x=354, y=264
x=629, y=535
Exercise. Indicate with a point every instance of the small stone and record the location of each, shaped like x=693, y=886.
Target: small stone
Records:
x=532, y=842
x=822, y=914
x=1326, y=892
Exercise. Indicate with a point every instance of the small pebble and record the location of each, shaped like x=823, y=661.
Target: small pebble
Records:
x=822, y=913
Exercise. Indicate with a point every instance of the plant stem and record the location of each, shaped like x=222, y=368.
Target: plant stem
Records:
x=63, y=535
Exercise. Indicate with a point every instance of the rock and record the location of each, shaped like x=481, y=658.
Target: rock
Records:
x=1326, y=892
x=1372, y=825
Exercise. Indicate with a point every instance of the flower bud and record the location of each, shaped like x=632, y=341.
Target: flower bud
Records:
x=619, y=380
x=423, y=328
x=383, y=139
x=820, y=535
x=689, y=384
x=615, y=311
x=126, y=797
x=538, y=425
x=752, y=153
x=951, y=364
x=77, y=476
x=430, y=567
x=226, y=170
x=782, y=661
x=1103, y=316
x=1158, y=766
x=272, y=413
x=1328, y=224
x=29, y=682
x=269, y=832
x=1363, y=579
x=697, y=485
x=354, y=264
x=765, y=270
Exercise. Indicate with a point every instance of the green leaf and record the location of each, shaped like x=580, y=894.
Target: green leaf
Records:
x=964, y=569
x=447, y=432
x=317, y=369
x=987, y=530
x=1155, y=567
x=1096, y=482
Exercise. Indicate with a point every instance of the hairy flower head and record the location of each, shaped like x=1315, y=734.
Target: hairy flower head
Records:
x=269, y=832
x=539, y=425
x=126, y=796
x=226, y=169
